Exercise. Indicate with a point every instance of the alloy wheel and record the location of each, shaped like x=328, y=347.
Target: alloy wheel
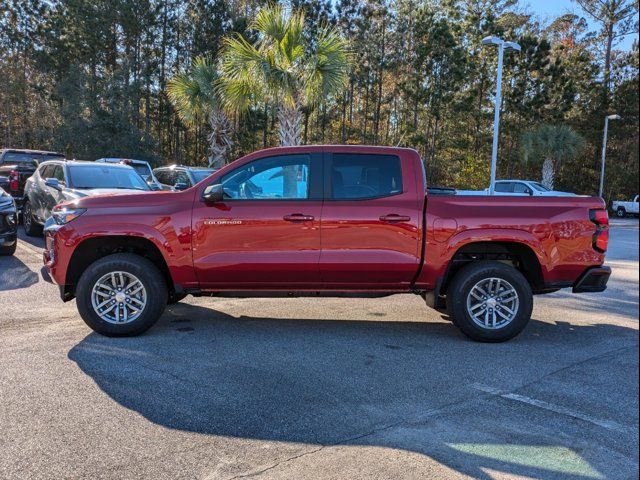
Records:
x=118, y=297
x=493, y=303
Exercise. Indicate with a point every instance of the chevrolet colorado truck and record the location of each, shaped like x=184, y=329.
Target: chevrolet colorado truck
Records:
x=324, y=221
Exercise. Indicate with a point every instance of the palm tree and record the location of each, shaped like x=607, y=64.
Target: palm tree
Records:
x=195, y=96
x=284, y=67
x=553, y=143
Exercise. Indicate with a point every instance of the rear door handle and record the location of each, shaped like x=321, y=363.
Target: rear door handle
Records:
x=394, y=218
x=298, y=217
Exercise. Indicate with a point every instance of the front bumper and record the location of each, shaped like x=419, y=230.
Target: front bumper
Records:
x=594, y=279
x=8, y=226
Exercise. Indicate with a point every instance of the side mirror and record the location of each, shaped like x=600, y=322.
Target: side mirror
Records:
x=53, y=183
x=213, y=194
x=180, y=186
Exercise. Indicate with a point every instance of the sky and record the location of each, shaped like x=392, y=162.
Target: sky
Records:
x=554, y=8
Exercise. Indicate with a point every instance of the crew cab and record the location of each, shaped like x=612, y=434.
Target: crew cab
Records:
x=324, y=221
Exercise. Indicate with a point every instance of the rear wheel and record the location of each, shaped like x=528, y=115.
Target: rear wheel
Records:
x=31, y=227
x=121, y=295
x=621, y=212
x=490, y=301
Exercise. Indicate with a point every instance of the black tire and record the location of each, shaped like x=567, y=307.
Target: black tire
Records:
x=175, y=297
x=621, y=212
x=462, y=284
x=31, y=227
x=149, y=276
x=6, y=251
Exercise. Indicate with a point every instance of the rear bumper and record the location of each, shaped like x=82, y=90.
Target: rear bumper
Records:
x=594, y=279
x=19, y=199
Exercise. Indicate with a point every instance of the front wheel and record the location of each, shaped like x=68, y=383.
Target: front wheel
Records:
x=31, y=227
x=490, y=301
x=621, y=212
x=121, y=295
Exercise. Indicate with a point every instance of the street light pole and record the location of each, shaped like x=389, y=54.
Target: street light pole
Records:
x=604, y=150
x=502, y=46
x=496, y=121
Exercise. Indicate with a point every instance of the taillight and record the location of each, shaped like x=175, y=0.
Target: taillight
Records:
x=601, y=237
x=14, y=180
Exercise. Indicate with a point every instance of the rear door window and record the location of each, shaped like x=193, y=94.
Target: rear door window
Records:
x=182, y=177
x=46, y=171
x=521, y=188
x=58, y=173
x=504, y=187
x=362, y=176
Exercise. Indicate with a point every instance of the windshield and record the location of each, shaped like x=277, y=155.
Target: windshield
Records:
x=200, y=175
x=103, y=176
x=29, y=158
x=540, y=187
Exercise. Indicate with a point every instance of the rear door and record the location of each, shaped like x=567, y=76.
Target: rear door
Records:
x=370, y=221
x=266, y=232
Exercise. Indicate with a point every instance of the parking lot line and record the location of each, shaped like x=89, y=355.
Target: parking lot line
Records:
x=27, y=248
x=608, y=424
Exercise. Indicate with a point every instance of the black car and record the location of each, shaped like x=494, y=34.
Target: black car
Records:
x=18, y=165
x=8, y=220
x=60, y=181
x=180, y=177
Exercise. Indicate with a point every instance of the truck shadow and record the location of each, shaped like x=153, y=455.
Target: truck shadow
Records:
x=14, y=274
x=326, y=382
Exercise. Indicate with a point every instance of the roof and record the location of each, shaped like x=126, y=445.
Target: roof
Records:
x=190, y=167
x=34, y=152
x=87, y=163
x=119, y=159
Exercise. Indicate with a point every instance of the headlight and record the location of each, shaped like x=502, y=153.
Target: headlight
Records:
x=11, y=220
x=64, y=214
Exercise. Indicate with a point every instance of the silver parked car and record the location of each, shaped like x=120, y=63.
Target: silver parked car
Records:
x=59, y=181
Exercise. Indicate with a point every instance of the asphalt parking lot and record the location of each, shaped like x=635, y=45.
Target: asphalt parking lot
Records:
x=319, y=388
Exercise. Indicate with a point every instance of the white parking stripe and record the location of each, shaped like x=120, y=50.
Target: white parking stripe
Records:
x=608, y=424
x=28, y=248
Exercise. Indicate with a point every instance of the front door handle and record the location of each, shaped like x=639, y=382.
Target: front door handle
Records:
x=298, y=217
x=394, y=218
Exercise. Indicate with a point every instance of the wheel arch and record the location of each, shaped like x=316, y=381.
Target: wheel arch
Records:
x=519, y=254
x=94, y=248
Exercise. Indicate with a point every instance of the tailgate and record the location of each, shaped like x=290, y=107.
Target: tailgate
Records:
x=23, y=172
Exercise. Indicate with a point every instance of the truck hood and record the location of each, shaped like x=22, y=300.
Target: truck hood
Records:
x=114, y=197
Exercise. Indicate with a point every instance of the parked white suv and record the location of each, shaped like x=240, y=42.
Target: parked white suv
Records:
x=623, y=209
x=142, y=167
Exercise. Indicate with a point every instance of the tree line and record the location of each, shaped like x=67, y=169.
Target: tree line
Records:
x=93, y=78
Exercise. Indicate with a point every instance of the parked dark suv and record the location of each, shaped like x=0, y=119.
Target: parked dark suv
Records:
x=180, y=177
x=59, y=181
x=8, y=220
x=18, y=165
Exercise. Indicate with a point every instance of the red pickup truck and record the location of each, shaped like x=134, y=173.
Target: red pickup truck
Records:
x=324, y=221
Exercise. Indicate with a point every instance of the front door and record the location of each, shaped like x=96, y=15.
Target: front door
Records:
x=265, y=234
